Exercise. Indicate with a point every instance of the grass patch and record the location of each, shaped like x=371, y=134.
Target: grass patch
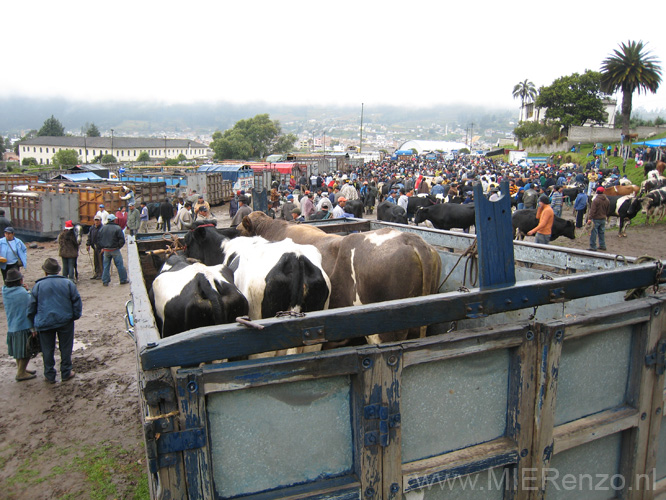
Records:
x=109, y=471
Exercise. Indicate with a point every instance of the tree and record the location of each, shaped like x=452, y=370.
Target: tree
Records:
x=2, y=147
x=90, y=130
x=574, y=99
x=629, y=69
x=52, y=128
x=108, y=159
x=523, y=90
x=66, y=158
x=255, y=137
x=143, y=156
x=29, y=161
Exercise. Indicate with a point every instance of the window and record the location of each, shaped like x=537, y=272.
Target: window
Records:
x=135, y=152
x=93, y=152
x=47, y=161
x=40, y=150
x=122, y=152
x=80, y=152
x=34, y=149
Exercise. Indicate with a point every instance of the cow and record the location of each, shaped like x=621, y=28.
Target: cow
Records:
x=651, y=165
x=653, y=201
x=416, y=202
x=624, y=208
x=354, y=207
x=447, y=216
x=569, y=193
x=187, y=295
x=525, y=220
x=364, y=268
x=274, y=277
x=390, y=212
x=651, y=184
x=622, y=190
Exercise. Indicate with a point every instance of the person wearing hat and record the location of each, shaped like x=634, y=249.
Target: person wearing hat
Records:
x=296, y=215
x=288, y=206
x=184, y=218
x=127, y=195
x=546, y=217
x=201, y=203
x=16, y=300
x=54, y=306
x=243, y=210
x=13, y=252
x=103, y=214
x=68, y=251
x=339, y=210
x=111, y=239
x=324, y=213
x=597, y=217
x=133, y=220
x=93, y=242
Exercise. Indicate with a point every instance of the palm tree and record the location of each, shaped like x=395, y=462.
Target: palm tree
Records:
x=524, y=90
x=628, y=69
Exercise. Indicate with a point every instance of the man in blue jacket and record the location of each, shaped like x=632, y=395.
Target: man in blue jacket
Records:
x=111, y=239
x=53, y=308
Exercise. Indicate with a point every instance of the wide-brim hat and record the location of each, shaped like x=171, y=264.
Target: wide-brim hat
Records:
x=13, y=276
x=51, y=266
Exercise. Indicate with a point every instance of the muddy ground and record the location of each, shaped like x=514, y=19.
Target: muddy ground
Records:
x=58, y=440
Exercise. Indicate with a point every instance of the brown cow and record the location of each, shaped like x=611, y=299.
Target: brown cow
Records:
x=363, y=267
x=622, y=190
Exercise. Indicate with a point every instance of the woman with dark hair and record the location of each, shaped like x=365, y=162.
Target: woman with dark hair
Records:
x=19, y=327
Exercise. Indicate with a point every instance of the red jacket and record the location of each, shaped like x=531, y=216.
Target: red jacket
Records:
x=121, y=219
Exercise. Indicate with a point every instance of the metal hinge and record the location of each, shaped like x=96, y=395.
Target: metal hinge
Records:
x=161, y=445
x=657, y=358
x=386, y=421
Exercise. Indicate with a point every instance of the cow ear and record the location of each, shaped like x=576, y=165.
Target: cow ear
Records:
x=247, y=224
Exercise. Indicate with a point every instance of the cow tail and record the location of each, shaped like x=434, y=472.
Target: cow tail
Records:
x=212, y=297
x=431, y=269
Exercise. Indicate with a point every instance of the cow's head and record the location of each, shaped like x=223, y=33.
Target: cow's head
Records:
x=419, y=216
x=646, y=204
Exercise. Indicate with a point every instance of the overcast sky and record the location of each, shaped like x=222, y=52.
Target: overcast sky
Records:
x=411, y=53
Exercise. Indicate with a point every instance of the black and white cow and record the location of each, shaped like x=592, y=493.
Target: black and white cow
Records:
x=273, y=276
x=624, y=208
x=525, y=220
x=654, y=204
x=390, y=212
x=188, y=295
x=447, y=216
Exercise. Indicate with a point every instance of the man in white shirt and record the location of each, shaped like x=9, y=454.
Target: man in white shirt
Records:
x=103, y=214
x=403, y=201
x=338, y=211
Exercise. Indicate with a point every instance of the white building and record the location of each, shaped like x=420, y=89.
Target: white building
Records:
x=124, y=149
x=428, y=146
x=533, y=114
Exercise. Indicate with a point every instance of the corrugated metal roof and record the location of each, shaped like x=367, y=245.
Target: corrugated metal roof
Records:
x=80, y=177
x=223, y=168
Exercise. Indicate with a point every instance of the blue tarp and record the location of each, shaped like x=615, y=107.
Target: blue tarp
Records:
x=229, y=172
x=79, y=177
x=653, y=144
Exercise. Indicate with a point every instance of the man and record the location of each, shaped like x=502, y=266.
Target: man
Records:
x=4, y=221
x=143, y=218
x=546, y=218
x=133, y=221
x=13, y=251
x=127, y=195
x=598, y=215
x=103, y=214
x=580, y=206
x=556, y=201
x=53, y=308
x=296, y=215
x=243, y=210
x=307, y=206
x=287, y=208
x=184, y=217
x=403, y=200
x=323, y=214
x=93, y=241
x=530, y=197
x=339, y=210
x=111, y=240
x=166, y=213
x=200, y=203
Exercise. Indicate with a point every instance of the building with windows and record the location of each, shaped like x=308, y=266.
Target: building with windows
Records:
x=124, y=149
x=533, y=114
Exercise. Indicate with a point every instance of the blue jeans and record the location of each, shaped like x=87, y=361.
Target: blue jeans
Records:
x=118, y=261
x=69, y=267
x=542, y=239
x=598, y=227
x=520, y=206
x=65, y=342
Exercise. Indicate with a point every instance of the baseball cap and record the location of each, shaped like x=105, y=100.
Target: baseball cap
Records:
x=9, y=229
x=600, y=189
x=97, y=217
x=101, y=206
x=111, y=217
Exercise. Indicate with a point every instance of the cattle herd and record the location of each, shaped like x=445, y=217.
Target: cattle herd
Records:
x=269, y=266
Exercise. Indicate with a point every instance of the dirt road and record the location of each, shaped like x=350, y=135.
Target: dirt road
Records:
x=82, y=438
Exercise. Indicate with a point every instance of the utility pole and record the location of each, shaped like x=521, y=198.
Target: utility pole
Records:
x=165, y=154
x=360, y=146
x=471, y=136
x=111, y=143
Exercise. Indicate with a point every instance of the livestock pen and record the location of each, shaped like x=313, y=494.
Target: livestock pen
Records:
x=542, y=381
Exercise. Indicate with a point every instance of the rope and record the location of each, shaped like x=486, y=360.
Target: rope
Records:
x=173, y=243
x=164, y=415
x=472, y=263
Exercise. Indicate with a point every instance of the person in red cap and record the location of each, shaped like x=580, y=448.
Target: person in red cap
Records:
x=597, y=217
x=339, y=210
x=68, y=250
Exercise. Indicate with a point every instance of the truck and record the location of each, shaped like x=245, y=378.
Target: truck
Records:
x=541, y=375
x=212, y=185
